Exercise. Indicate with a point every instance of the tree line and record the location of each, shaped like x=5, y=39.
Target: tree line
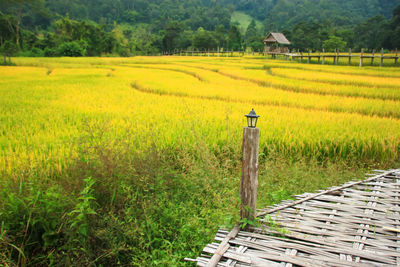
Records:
x=148, y=27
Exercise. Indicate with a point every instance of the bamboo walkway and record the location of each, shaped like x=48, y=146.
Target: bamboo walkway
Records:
x=356, y=224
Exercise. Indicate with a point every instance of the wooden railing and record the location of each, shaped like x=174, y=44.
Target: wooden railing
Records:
x=361, y=58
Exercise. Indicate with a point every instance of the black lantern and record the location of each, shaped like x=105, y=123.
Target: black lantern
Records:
x=252, y=118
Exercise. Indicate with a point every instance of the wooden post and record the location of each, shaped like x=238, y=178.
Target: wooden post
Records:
x=349, y=56
x=249, y=181
x=337, y=56
x=301, y=58
x=319, y=57
x=309, y=57
x=373, y=57
x=323, y=56
x=361, y=57
x=397, y=58
x=381, y=64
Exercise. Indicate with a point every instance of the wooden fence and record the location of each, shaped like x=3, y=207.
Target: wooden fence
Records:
x=346, y=58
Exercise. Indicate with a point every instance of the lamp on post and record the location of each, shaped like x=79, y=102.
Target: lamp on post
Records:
x=249, y=181
x=252, y=118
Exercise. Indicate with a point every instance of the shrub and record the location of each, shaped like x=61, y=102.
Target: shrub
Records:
x=34, y=52
x=71, y=49
x=50, y=52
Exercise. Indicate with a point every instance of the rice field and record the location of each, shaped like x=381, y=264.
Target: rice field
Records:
x=324, y=112
x=136, y=161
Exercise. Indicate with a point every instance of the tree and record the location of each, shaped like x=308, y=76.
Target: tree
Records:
x=18, y=7
x=71, y=49
x=203, y=40
x=234, y=39
x=333, y=43
x=347, y=35
x=252, y=38
x=393, y=33
x=7, y=27
x=251, y=31
x=306, y=35
x=370, y=33
x=220, y=35
x=96, y=38
x=171, y=35
x=8, y=49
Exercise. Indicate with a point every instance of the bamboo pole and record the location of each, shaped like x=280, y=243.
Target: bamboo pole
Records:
x=223, y=247
x=249, y=181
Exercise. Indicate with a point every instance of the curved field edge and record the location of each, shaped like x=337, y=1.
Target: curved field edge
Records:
x=268, y=79
x=361, y=106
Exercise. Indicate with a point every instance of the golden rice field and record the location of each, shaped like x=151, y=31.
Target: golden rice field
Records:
x=313, y=111
x=136, y=161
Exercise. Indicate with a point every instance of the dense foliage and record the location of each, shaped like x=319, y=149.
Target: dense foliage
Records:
x=141, y=27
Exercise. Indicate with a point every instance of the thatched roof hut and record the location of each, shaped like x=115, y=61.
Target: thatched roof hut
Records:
x=276, y=38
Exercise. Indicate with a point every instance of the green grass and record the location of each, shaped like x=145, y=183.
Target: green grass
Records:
x=141, y=209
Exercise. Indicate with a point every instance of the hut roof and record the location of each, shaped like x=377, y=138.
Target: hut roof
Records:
x=276, y=37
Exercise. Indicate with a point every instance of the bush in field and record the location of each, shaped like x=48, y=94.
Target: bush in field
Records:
x=71, y=49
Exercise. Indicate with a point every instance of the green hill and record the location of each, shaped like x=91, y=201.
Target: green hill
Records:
x=244, y=20
x=280, y=14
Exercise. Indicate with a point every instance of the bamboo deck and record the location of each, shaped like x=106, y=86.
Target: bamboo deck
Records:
x=356, y=224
